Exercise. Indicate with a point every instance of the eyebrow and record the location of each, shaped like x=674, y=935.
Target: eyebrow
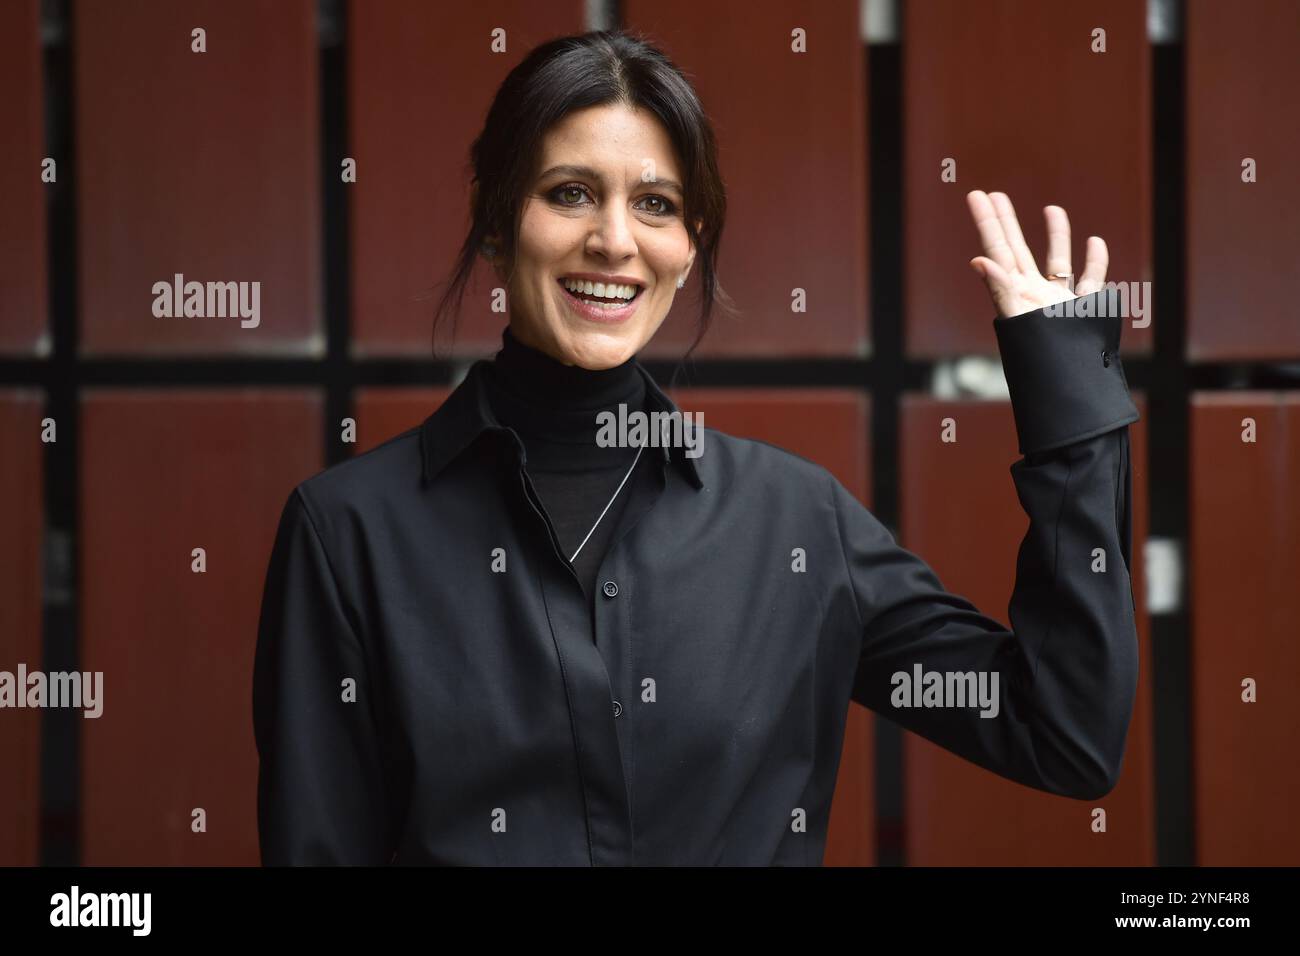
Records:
x=586, y=172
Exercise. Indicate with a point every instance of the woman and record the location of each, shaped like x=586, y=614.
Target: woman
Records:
x=516, y=635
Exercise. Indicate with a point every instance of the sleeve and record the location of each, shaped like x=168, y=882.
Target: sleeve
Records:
x=1058, y=688
x=319, y=787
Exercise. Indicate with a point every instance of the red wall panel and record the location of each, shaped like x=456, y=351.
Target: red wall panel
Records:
x=791, y=131
x=958, y=813
x=22, y=194
x=22, y=522
x=1244, y=568
x=163, y=472
x=383, y=413
x=199, y=164
x=1011, y=90
x=1243, y=239
x=420, y=79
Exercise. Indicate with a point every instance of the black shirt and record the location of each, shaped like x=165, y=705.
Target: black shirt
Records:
x=431, y=686
x=554, y=410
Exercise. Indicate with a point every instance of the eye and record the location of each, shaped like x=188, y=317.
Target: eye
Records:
x=666, y=206
x=559, y=194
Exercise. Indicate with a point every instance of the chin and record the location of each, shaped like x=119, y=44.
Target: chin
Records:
x=599, y=352
x=599, y=361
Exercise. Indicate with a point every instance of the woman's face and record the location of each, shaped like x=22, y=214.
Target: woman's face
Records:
x=604, y=206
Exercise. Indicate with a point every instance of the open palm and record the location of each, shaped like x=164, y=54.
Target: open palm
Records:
x=1008, y=267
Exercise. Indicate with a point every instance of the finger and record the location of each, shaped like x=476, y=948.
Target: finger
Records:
x=1096, y=263
x=1058, y=245
x=998, y=282
x=990, y=230
x=1011, y=228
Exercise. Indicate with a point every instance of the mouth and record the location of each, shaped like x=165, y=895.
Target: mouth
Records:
x=599, y=302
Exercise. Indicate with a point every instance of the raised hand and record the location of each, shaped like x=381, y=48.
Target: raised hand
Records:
x=1008, y=267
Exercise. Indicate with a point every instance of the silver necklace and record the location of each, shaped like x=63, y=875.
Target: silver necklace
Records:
x=611, y=501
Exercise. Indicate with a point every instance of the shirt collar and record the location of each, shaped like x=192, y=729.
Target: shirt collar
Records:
x=466, y=413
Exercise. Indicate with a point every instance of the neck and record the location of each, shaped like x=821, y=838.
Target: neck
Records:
x=553, y=406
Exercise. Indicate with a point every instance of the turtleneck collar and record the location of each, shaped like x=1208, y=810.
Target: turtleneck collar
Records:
x=553, y=406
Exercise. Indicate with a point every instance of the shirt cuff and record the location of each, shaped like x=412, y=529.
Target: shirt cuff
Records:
x=1064, y=373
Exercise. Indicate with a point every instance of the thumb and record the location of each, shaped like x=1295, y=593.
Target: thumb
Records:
x=998, y=282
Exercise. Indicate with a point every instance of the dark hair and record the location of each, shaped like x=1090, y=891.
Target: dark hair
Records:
x=572, y=73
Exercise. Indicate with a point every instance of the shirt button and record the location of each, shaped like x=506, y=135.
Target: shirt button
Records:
x=1105, y=358
x=618, y=708
x=610, y=589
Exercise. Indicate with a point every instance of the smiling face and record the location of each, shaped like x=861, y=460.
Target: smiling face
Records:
x=600, y=251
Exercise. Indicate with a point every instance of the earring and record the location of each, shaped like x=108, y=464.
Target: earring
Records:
x=681, y=282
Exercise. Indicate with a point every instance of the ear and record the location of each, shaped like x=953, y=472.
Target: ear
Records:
x=490, y=248
x=690, y=259
x=496, y=259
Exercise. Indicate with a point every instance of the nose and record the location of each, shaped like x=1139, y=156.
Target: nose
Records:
x=611, y=234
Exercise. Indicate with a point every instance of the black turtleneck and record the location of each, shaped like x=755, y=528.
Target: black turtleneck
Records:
x=553, y=408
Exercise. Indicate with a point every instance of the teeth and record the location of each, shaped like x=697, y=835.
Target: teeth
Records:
x=600, y=289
